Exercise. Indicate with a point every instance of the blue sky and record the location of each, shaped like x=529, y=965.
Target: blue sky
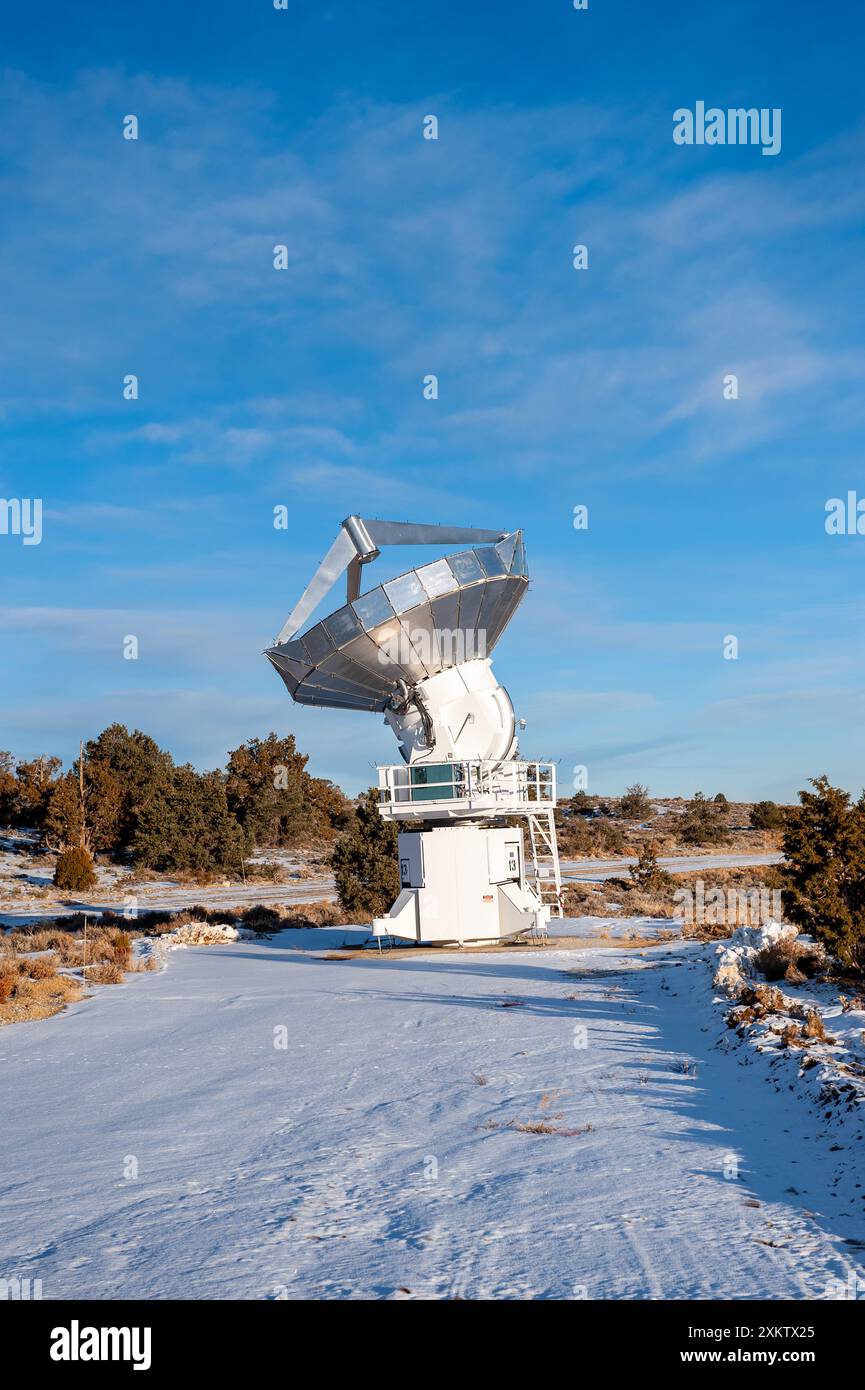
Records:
x=557, y=387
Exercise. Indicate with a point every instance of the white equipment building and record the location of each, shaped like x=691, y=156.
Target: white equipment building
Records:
x=476, y=832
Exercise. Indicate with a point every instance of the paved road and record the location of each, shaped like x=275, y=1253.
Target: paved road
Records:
x=595, y=870
x=173, y=898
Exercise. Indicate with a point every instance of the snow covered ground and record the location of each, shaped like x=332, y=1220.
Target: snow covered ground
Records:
x=260, y=1121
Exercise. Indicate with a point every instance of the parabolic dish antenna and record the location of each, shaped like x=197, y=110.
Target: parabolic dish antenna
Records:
x=383, y=643
x=417, y=649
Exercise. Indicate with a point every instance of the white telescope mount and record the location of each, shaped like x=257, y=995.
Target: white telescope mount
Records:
x=477, y=850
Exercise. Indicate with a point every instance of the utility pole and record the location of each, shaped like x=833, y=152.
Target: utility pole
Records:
x=82, y=834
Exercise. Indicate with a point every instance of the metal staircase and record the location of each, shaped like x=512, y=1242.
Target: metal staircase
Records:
x=546, y=873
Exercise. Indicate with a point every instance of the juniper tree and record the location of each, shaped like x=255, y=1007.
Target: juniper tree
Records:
x=365, y=864
x=635, y=804
x=275, y=799
x=703, y=823
x=34, y=782
x=8, y=787
x=824, y=870
x=141, y=769
x=84, y=809
x=186, y=824
x=74, y=872
x=647, y=872
x=765, y=815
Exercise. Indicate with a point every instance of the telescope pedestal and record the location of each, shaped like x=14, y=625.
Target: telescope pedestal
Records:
x=463, y=882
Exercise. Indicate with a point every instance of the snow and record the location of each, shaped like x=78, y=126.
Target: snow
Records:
x=736, y=953
x=189, y=934
x=160, y=1142
x=827, y=1074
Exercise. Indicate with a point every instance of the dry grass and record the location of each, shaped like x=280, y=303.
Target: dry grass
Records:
x=41, y=970
x=26, y=997
x=104, y=945
x=107, y=974
x=539, y=1127
x=815, y=1028
x=621, y=897
x=756, y=1004
x=791, y=1035
x=663, y=831
x=545, y=1125
x=143, y=965
x=804, y=1023
x=42, y=967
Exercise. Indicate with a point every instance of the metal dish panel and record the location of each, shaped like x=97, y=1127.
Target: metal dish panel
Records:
x=420, y=625
x=317, y=644
x=492, y=562
x=341, y=668
x=333, y=699
x=342, y=626
x=370, y=657
x=506, y=548
x=373, y=608
x=390, y=638
x=466, y=567
x=514, y=590
x=470, y=603
x=412, y=656
x=518, y=565
x=343, y=685
x=438, y=578
x=405, y=593
x=446, y=616
x=494, y=601
x=297, y=670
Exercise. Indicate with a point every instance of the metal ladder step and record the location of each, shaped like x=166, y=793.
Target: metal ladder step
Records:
x=545, y=857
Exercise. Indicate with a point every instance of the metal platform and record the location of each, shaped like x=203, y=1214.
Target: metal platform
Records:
x=460, y=790
x=478, y=790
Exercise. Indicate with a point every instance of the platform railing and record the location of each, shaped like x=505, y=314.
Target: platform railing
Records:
x=485, y=784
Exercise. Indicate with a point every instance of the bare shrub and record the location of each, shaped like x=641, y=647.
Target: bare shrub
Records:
x=24, y=999
x=815, y=1028
x=791, y=1035
x=122, y=944
x=789, y=959
x=105, y=974
x=74, y=871
x=144, y=965
x=43, y=967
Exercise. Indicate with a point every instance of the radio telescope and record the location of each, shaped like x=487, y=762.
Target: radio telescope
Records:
x=416, y=648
